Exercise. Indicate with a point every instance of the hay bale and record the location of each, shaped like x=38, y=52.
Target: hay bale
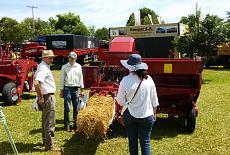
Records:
x=94, y=120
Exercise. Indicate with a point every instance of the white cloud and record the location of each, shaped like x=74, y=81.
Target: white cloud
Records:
x=173, y=13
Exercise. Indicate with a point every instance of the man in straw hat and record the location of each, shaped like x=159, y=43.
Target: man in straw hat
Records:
x=138, y=97
x=45, y=88
x=71, y=80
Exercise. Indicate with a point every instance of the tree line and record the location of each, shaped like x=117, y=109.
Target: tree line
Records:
x=12, y=31
x=202, y=37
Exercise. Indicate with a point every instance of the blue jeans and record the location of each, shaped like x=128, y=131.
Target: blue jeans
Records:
x=70, y=95
x=138, y=128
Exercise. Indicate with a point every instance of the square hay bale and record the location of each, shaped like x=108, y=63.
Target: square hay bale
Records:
x=94, y=120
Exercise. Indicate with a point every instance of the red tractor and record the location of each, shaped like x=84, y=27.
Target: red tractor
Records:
x=178, y=81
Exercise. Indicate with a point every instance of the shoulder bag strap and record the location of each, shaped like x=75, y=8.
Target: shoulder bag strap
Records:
x=136, y=90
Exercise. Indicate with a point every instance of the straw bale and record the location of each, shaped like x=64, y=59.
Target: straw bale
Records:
x=94, y=120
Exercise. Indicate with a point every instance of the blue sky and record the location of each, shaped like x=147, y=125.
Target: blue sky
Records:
x=110, y=13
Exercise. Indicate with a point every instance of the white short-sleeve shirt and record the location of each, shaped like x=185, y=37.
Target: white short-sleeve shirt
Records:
x=44, y=75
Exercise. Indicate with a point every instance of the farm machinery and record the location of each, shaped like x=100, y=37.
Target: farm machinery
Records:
x=16, y=77
x=221, y=56
x=86, y=48
x=178, y=81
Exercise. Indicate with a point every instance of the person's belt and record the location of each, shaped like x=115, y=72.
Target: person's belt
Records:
x=72, y=86
x=49, y=94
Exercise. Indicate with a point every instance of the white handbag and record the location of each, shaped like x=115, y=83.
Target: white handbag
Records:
x=82, y=99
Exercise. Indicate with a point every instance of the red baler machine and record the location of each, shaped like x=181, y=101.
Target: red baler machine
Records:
x=178, y=81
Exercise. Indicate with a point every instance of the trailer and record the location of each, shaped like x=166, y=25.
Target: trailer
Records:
x=178, y=81
x=86, y=48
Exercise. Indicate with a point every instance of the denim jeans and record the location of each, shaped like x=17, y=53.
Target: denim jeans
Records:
x=138, y=128
x=70, y=95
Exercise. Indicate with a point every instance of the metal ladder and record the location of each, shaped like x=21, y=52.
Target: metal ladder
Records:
x=4, y=123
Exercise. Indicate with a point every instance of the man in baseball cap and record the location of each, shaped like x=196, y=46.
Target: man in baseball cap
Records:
x=70, y=82
x=72, y=55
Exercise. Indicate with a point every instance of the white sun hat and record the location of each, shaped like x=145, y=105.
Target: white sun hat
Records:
x=134, y=63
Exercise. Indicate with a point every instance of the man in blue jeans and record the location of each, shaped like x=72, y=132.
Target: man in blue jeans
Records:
x=71, y=80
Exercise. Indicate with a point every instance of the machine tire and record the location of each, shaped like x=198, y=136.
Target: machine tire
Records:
x=191, y=121
x=7, y=94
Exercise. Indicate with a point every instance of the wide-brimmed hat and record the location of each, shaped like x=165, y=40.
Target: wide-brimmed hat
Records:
x=134, y=63
x=72, y=55
x=47, y=53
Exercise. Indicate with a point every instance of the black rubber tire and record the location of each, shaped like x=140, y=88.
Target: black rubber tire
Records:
x=191, y=121
x=7, y=94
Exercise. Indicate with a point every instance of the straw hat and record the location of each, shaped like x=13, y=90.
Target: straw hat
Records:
x=47, y=53
x=134, y=63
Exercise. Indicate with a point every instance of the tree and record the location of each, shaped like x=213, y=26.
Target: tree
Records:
x=202, y=37
x=13, y=32
x=71, y=24
x=92, y=30
x=213, y=32
x=23, y=33
x=144, y=17
x=193, y=21
x=189, y=43
x=52, y=22
x=28, y=24
x=41, y=27
x=8, y=29
x=102, y=34
x=228, y=16
x=227, y=25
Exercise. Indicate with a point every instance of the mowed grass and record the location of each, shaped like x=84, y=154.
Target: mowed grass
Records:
x=212, y=134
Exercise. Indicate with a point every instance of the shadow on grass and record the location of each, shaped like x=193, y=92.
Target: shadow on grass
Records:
x=80, y=145
x=28, y=96
x=56, y=67
x=39, y=130
x=5, y=148
x=168, y=127
x=163, y=127
x=218, y=69
x=61, y=121
x=77, y=144
x=206, y=81
x=1, y=101
x=116, y=130
x=3, y=104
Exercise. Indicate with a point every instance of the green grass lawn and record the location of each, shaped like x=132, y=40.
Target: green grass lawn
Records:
x=212, y=134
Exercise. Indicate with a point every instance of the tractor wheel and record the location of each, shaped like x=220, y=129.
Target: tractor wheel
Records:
x=190, y=122
x=9, y=94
